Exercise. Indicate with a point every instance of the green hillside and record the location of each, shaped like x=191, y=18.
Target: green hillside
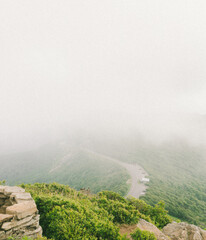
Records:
x=68, y=214
x=177, y=174
x=66, y=165
x=177, y=171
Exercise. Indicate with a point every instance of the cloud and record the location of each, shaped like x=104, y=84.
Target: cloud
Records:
x=85, y=64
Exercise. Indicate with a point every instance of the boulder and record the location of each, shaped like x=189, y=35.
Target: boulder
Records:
x=13, y=224
x=184, y=231
x=5, y=217
x=10, y=190
x=21, y=197
x=18, y=214
x=22, y=210
x=144, y=225
x=2, y=189
x=2, y=196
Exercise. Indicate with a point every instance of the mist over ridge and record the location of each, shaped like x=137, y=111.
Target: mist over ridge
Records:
x=112, y=67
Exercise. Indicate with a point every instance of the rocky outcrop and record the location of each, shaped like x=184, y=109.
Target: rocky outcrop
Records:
x=144, y=225
x=173, y=231
x=184, y=231
x=18, y=214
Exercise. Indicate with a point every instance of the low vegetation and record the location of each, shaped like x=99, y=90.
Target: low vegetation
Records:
x=143, y=235
x=177, y=173
x=68, y=214
x=76, y=167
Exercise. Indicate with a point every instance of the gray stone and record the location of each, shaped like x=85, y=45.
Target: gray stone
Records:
x=2, y=201
x=5, y=217
x=3, y=209
x=184, y=231
x=2, y=196
x=10, y=190
x=18, y=214
x=2, y=188
x=21, y=197
x=35, y=233
x=22, y=210
x=8, y=202
x=13, y=224
x=2, y=234
x=144, y=225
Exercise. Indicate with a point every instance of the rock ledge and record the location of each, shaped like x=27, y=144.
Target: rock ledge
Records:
x=18, y=214
x=184, y=231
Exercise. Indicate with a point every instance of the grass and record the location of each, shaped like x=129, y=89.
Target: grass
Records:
x=80, y=169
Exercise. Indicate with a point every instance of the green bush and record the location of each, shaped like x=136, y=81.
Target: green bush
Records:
x=122, y=212
x=143, y=235
x=68, y=214
x=28, y=238
x=157, y=214
x=69, y=219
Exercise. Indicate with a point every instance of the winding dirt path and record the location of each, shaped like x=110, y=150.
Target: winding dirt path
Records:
x=60, y=163
x=135, y=171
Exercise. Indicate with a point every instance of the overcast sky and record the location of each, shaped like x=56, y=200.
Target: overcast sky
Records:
x=90, y=63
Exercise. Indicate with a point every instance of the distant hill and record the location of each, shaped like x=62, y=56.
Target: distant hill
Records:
x=177, y=170
x=67, y=165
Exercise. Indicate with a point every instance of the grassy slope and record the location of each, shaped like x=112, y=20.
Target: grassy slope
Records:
x=68, y=214
x=80, y=170
x=177, y=173
x=85, y=170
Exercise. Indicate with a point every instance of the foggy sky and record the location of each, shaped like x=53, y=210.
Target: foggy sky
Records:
x=100, y=64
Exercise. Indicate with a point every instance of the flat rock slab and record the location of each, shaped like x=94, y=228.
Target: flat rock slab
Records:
x=21, y=197
x=2, y=196
x=144, y=225
x=2, y=188
x=35, y=233
x=15, y=224
x=2, y=235
x=5, y=217
x=10, y=190
x=18, y=214
x=184, y=231
x=22, y=210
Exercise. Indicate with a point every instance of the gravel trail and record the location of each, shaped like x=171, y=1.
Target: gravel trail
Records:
x=135, y=171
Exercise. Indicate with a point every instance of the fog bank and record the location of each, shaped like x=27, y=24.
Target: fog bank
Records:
x=101, y=66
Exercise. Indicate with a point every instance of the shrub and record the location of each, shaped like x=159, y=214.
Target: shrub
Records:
x=118, y=207
x=143, y=235
x=157, y=214
x=68, y=214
